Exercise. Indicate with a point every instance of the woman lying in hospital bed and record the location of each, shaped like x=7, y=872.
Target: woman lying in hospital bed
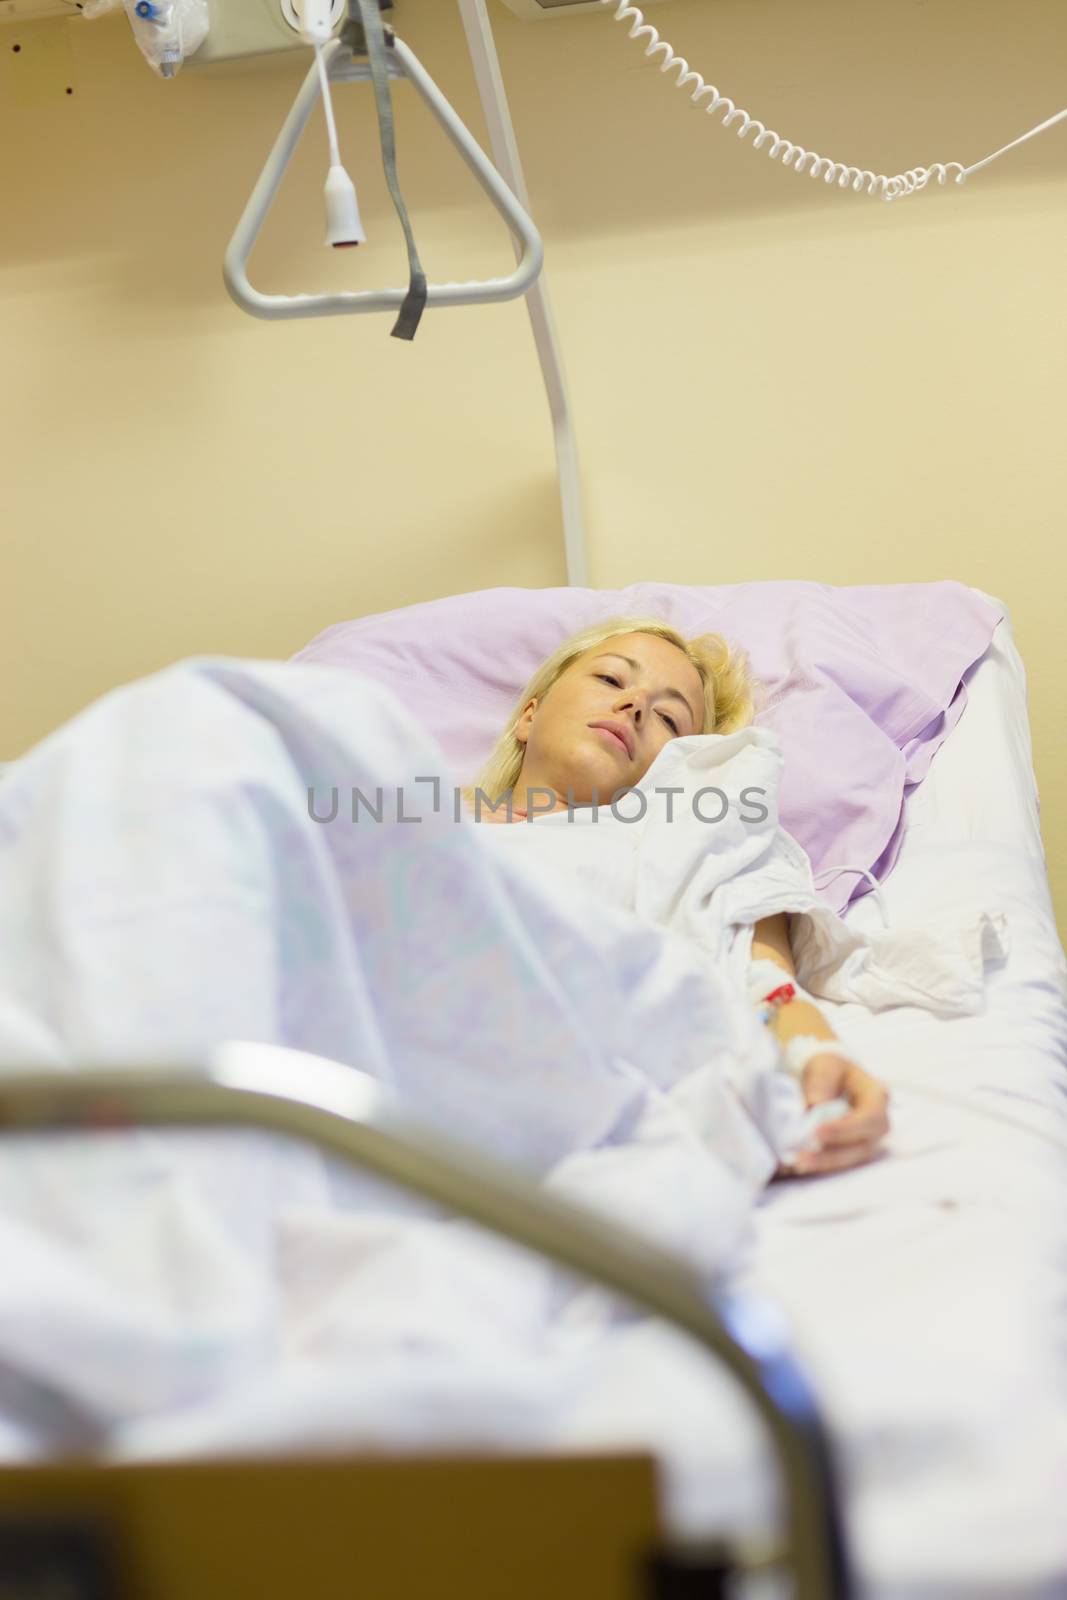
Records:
x=591, y=723
x=218, y=853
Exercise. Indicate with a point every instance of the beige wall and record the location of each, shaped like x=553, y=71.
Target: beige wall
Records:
x=770, y=378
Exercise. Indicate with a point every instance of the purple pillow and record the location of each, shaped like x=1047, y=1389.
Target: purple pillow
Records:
x=863, y=684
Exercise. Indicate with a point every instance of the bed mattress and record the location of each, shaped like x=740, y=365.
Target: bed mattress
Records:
x=927, y=1291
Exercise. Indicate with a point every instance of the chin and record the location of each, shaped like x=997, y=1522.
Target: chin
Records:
x=606, y=784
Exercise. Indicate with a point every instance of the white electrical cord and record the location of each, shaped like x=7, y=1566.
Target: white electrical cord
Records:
x=793, y=154
x=315, y=21
x=327, y=106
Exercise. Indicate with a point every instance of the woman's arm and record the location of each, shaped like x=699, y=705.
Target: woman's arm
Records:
x=851, y=1139
x=771, y=942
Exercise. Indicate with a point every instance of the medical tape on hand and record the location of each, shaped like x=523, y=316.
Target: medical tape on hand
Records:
x=763, y=978
x=799, y=1050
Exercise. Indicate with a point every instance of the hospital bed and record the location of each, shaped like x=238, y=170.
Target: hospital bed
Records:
x=923, y=1297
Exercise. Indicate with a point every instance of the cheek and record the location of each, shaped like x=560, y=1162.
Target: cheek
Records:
x=569, y=716
x=547, y=732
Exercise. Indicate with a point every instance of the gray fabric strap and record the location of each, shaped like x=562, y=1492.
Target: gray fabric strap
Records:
x=374, y=36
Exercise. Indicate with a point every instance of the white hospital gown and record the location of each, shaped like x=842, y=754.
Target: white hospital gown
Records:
x=697, y=848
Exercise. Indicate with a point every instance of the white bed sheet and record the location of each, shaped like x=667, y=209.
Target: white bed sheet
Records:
x=927, y=1292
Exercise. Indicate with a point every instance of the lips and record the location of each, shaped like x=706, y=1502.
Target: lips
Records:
x=624, y=737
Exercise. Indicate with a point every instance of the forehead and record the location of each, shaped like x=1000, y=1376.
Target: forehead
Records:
x=653, y=653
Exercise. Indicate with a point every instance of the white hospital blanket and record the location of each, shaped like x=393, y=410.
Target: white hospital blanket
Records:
x=163, y=888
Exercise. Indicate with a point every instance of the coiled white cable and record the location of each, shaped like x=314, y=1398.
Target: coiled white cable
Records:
x=794, y=155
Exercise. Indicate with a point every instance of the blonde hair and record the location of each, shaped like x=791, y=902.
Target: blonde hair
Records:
x=730, y=691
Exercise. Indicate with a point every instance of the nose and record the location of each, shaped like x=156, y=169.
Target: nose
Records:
x=631, y=698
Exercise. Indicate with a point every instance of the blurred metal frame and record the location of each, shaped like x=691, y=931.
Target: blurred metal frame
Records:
x=346, y=1115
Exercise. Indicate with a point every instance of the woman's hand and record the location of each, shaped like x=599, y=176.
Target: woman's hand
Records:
x=850, y=1139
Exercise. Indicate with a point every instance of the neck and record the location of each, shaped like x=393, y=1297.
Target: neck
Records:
x=522, y=797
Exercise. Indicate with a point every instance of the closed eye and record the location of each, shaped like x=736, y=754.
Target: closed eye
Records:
x=607, y=678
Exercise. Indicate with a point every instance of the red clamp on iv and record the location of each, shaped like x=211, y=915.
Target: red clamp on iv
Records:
x=780, y=996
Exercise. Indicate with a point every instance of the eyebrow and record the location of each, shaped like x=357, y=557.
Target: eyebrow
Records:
x=674, y=694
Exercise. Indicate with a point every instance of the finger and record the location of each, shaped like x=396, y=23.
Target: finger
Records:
x=810, y=1163
x=854, y=1129
x=869, y=1116
x=866, y=1094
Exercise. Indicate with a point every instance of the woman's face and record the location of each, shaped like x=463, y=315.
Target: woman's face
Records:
x=642, y=686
